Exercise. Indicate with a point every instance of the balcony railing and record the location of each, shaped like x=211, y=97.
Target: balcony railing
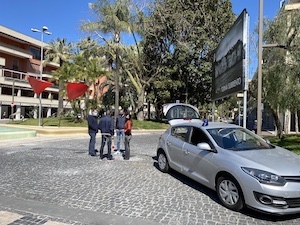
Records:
x=19, y=76
x=13, y=74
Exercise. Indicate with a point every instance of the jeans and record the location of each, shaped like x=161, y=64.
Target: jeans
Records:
x=106, y=139
x=92, y=144
x=127, y=146
x=120, y=137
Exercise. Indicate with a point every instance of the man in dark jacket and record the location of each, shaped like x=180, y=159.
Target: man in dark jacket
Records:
x=120, y=123
x=92, y=120
x=106, y=125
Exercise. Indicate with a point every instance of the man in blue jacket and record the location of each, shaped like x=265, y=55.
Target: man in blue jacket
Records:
x=92, y=120
x=106, y=125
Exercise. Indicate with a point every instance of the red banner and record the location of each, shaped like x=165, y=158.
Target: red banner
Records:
x=74, y=90
x=38, y=85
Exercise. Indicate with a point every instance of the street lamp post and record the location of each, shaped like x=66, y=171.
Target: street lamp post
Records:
x=259, y=76
x=261, y=46
x=44, y=30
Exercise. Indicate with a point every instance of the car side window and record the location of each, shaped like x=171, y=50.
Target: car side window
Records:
x=198, y=136
x=180, y=132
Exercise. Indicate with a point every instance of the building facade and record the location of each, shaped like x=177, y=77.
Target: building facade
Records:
x=20, y=56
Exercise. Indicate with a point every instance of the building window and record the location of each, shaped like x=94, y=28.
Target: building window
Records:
x=55, y=96
x=27, y=93
x=45, y=94
x=36, y=53
x=15, y=65
x=6, y=91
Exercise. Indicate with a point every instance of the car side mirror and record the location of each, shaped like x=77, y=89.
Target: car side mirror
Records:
x=204, y=146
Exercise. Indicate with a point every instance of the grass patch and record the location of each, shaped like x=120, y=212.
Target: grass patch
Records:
x=147, y=124
x=290, y=142
x=73, y=122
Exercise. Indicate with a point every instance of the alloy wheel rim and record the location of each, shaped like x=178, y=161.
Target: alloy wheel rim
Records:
x=162, y=161
x=228, y=192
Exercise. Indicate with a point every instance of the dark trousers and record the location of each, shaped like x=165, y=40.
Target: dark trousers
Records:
x=127, y=146
x=106, y=139
x=92, y=144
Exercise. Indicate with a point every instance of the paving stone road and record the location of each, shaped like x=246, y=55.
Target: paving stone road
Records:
x=53, y=181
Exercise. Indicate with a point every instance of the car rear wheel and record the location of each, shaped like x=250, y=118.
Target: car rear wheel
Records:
x=230, y=193
x=163, y=163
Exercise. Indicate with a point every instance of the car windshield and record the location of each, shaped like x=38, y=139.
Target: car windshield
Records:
x=237, y=139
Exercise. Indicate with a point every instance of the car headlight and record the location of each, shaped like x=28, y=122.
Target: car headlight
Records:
x=264, y=176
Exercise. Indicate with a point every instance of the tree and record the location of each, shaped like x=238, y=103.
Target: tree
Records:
x=281, y=71
x=180, y=39
x=59, y=51
x=86, y=65
x=113, y=17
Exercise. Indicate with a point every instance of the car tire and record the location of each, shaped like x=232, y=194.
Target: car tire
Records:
x=163, y=164
x=230, y=193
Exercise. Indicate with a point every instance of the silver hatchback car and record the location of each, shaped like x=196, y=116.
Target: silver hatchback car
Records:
x=244, y=169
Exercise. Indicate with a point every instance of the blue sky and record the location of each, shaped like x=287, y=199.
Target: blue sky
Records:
x=63, y=17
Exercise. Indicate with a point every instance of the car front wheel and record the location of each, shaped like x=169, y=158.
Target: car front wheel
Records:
x=163, y=163
x=230, y=193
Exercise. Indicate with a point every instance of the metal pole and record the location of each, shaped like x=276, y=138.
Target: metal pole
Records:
x=239, y=116
x=13, y=100
x=259, y=76
x=41, y=77
x=44, y=30
x=117, y=88
x=213, y=111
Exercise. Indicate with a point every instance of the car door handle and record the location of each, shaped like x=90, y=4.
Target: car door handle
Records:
x=186, y=152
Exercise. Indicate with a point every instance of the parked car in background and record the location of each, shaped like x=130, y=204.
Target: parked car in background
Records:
x=244, y=169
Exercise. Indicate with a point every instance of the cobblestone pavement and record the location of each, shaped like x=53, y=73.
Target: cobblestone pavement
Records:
x=53, y=181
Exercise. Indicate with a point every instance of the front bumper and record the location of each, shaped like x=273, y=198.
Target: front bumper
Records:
x=274, y=199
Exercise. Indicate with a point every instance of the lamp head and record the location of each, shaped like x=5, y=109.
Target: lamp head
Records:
x=45, y=28
x=35, y=30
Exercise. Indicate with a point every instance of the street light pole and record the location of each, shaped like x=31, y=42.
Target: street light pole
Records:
x=259, y=75
x=44, y=30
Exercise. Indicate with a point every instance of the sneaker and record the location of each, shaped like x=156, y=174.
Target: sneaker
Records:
x=117, y=153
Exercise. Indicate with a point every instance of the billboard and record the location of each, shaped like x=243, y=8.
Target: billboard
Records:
x=230, y=64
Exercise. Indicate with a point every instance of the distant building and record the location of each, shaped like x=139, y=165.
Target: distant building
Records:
x=20, y=56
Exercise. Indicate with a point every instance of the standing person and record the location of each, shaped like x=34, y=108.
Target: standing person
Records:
x=106, y=125
x=120, y=123
x=92, y=120
x=127, y=131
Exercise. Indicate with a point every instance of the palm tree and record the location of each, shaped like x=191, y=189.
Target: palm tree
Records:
x=59, y=51
x=114, y=19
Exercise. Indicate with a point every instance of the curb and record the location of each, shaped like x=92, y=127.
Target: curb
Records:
x=68, y=130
